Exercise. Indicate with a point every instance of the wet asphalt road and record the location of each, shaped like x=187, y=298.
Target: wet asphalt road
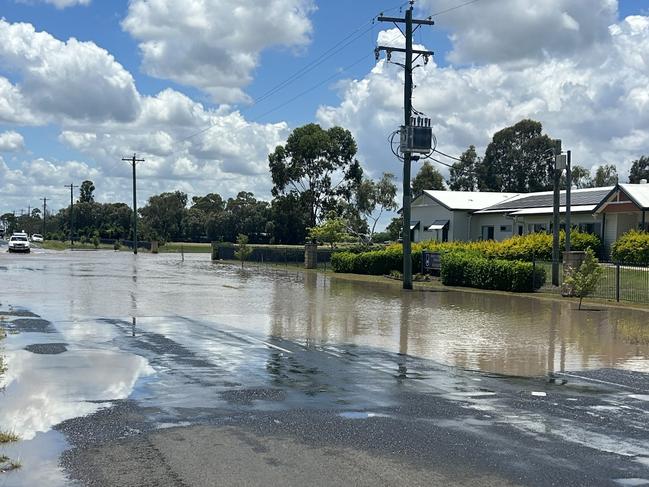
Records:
x=185, y=400
x=337, y=415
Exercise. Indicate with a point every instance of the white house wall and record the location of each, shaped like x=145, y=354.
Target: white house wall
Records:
x=426, y=214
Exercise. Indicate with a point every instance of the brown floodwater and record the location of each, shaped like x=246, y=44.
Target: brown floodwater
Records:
x=507, y=334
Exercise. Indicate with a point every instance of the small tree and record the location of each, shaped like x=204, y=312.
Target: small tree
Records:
x=583, y=280
x=243, y=249
x=330, y=231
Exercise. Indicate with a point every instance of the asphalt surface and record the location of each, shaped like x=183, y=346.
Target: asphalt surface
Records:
x=246, y=394
x=356, y=416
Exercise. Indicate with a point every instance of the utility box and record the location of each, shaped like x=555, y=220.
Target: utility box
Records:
x=416, y=139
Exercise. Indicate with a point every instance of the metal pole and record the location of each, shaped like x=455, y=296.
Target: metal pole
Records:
x=568, y=189
x=407, y=112
x=134, y=209
x=617, y=282
x=555, y=229
x=71, y=216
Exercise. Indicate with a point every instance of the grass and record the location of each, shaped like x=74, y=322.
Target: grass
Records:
x=58, y=245
x=7, y=464
x=634, y=282
x=8, y=437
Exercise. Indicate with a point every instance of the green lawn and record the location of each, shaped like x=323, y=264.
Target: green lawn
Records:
x=634, y=282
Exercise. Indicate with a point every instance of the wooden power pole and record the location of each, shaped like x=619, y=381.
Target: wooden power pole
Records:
x=134, y=160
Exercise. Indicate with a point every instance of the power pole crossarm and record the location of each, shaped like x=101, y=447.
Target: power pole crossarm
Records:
x=134, y=160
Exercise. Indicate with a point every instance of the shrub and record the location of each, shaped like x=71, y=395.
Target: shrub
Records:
x=343, y=262
x=632, y=248
x=470, y=270
x=583, y=281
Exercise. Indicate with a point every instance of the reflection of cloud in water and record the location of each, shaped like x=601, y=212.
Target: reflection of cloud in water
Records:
x=44, y=390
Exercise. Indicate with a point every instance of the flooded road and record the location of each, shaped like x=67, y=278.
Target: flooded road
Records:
x=110, y=356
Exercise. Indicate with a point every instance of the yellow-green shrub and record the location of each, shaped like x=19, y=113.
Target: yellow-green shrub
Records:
x=631, y=248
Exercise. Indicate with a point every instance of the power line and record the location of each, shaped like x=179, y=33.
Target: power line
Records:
x=450, y=9
x=327, y=54
x=446, y=155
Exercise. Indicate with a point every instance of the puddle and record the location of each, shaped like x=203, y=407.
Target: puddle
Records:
x=631, y=482
x=640, y=397
x=39, y=457
x=41, y=391
x=362, y=415
x=47, y=348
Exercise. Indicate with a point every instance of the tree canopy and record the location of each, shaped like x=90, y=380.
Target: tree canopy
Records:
x=464, y=173
x=518, y=159
x=317, y=167
x=428, y=177
x=639, y=170
x=606, y=175
x=85, y=192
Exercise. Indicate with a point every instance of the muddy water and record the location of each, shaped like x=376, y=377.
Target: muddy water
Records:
x=501, y=334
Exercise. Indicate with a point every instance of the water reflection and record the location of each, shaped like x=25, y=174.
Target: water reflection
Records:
x=41, y=391
x=505, y=334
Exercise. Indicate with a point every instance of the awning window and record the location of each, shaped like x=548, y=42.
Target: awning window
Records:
x=413, y=225
x=438, y=225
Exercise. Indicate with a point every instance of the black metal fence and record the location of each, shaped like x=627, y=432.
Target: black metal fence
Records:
x=618, y=282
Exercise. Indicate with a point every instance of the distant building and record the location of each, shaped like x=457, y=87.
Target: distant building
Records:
x=448, y=216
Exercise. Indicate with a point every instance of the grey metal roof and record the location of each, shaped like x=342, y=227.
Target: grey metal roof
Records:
x=578, y=197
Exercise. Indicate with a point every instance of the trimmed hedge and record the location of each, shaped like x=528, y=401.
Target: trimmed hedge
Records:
x=632, y=248
x=469, y=270
x=376, y=262
x=525, y=247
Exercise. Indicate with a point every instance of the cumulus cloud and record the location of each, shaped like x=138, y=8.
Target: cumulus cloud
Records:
x=63, y=80
x=214, y=45
x=60, y=4
x=517, y=30
x=11, y=141
x=596, y=104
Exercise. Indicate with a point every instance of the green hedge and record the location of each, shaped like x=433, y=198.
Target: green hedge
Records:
x=469, y=270
x=458, y=269
x=631, y=248
x=376, y=262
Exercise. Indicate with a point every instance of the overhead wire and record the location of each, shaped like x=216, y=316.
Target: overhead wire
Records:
x=326, y=55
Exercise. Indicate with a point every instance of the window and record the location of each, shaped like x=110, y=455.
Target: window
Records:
x=537, y=228
x=506, y=228
x=487, y=233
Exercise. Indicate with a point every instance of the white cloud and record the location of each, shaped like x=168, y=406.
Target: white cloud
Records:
x=516, y=30
x=214, y=45
x=64, y=80
x=596, y=105
x=11, y=141
x=61, y=4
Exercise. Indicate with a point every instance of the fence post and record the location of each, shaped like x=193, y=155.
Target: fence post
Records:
x=617, y=282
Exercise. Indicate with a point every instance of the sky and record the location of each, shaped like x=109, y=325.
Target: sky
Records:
x=203, y=90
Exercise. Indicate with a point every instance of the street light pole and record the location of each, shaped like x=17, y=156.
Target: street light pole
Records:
x=556, y=172
x=568, y=189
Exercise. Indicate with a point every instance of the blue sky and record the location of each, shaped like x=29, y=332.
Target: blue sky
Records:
x=526, y=46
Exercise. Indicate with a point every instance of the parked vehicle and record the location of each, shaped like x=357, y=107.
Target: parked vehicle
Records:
x=37, y=237
x=19, y=243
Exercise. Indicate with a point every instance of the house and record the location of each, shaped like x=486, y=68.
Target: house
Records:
x=449, y=216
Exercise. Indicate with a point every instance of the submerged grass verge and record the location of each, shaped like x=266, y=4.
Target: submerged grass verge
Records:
x=8, y=437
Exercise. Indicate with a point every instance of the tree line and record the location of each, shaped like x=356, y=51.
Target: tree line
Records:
x=317, y=182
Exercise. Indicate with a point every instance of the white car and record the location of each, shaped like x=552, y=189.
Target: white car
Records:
x=37, y=237
x=19, y=243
